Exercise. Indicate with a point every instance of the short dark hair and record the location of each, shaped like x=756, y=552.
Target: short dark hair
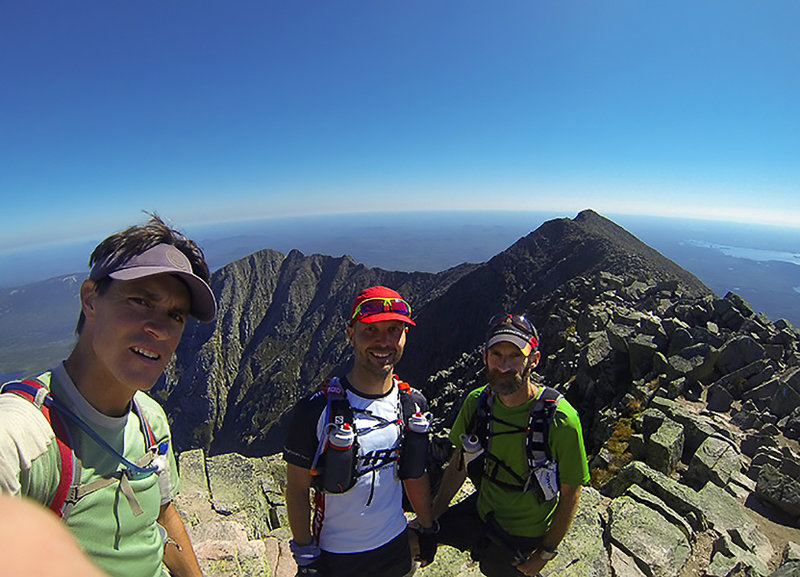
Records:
x=134, y=240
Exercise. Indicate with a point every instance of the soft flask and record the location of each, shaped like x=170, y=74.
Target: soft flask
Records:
x=414, y=451
x=337, y=476
x=473, y=452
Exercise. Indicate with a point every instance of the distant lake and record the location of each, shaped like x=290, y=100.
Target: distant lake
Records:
x=756, y=254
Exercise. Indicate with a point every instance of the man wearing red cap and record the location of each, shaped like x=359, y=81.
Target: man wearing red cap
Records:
x=521, y=444
x=358, y=525
x=91, y=415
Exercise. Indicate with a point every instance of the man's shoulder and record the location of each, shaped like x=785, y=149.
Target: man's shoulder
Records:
x=21, y=414
x=470, y=403
x=148, y=403
x=565, y=407
x=19, y=411
x=310, y=404
x=565, y=416
x=27, y=442
x=471, y=400
x=154, y=414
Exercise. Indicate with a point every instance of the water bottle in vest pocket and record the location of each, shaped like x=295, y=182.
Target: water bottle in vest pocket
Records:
x=414, y=451
x=473, y=456
x=337, y=477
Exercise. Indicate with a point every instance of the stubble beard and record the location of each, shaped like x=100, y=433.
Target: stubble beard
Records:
x=378, y=370
x=506, y=383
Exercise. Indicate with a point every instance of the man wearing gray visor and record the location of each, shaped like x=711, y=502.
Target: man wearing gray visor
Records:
x=84, y=439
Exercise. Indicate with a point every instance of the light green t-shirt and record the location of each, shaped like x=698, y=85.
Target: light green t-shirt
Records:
x=518, y=512
x=119, y=542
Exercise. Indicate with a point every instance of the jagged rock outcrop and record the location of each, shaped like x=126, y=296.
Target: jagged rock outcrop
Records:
x=690, y=402
x=234, y=512
x=281, y=325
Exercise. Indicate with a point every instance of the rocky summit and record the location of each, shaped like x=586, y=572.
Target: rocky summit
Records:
x=690, y=402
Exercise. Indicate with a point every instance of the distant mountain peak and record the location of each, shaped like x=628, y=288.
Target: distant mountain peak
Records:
x=280, y=328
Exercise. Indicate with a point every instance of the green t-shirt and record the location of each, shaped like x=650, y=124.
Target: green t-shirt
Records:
x=118, y=541
x=518, y=512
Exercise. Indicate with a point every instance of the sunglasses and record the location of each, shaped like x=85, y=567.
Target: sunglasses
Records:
x=377, y=305
x=519, y=322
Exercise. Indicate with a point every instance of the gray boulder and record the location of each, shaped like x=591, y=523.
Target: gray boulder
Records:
x=695, y=363
x=718, y=398
x=716, y=460
x=728, y=518
x=665, y=447
x=660, y=549
x=729, y=559
x=582, y=553
x=641, y=349
x=678, y=497
x=787, y=397
x=779, y=490
x=228, y=504
x=738, y=352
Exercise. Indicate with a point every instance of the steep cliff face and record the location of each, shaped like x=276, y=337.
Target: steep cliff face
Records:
x=281, y=325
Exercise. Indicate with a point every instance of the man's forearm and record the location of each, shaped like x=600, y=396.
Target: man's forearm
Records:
x=562, y=516
x=179, y=555
x=453, y=478
x=560, y=524
x=298, y=505
x=419, y=494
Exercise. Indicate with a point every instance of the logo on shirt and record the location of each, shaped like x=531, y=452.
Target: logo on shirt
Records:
x=377, y=459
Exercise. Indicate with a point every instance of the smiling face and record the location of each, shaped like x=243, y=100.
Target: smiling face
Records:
x=377, y=346
x=507, y=369
x=131, y=331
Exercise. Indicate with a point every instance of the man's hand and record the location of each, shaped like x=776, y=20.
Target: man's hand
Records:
x=532, y=565
x=428, y=543
x=307, y=559
x=308, y=571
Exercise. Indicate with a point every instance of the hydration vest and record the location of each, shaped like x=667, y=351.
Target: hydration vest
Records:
x=542, y=476
x=339, y=412
x=69, y=489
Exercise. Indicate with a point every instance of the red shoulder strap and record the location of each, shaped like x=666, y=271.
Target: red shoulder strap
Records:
x=66, y=469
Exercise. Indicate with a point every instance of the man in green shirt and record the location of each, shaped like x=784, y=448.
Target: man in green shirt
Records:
x=144, y=284
x=528, y=475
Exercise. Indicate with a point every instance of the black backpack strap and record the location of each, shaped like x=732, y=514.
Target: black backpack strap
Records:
x=338, y=411
x=411, y=400
x=480, y=422
x=540, y=418
x=537, y=448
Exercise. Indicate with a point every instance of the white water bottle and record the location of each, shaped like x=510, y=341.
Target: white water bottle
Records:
x=473, y=457
x=472, y=447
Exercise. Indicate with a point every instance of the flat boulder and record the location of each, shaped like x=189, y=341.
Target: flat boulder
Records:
x=582, y=552
x=716, y=460
x=656, y=545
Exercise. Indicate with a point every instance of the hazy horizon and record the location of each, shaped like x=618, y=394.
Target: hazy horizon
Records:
x=761, y=263
x=495, y=231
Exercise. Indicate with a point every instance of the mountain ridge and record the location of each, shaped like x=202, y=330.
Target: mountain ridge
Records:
x=282, y=317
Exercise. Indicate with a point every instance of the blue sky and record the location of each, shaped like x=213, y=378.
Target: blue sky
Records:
x=206, y=110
